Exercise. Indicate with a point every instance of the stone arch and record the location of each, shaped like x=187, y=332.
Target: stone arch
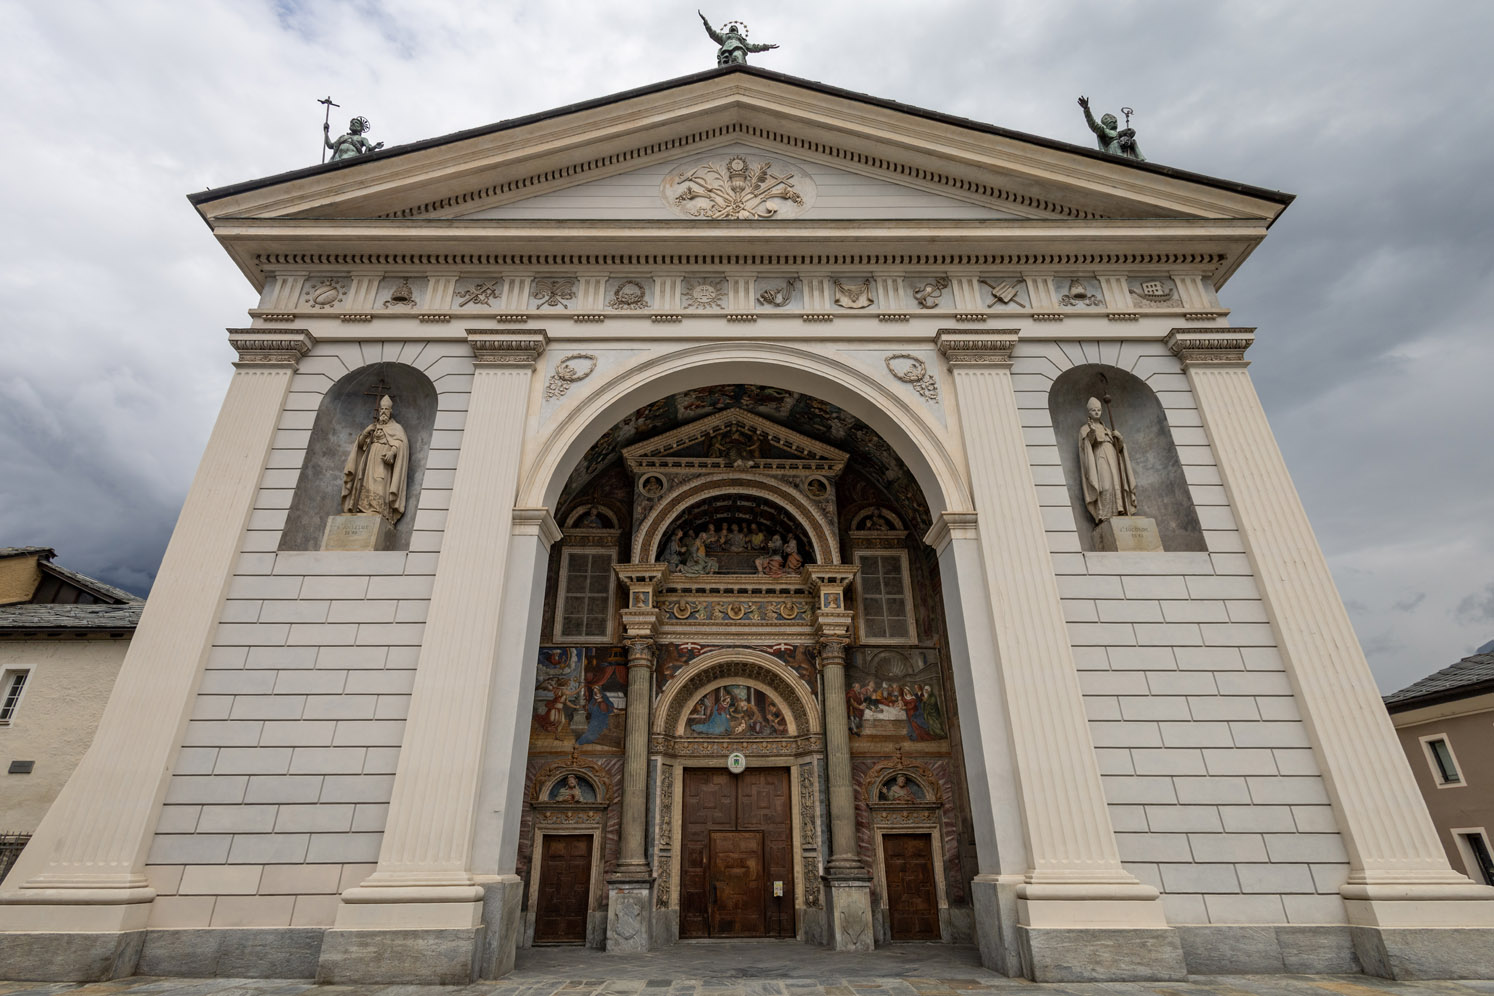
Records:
x=650, y=532
x=719, y=667
x=344, y=411
x=1161, y=487
x=790, y=367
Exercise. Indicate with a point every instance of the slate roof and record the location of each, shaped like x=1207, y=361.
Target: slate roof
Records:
x=46, y=552
x=215, y=193
x=43, y=617
x=1473, y=675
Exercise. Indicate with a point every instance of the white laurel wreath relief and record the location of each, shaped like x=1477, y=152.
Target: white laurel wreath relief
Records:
x=566, y=373
x=915, y=373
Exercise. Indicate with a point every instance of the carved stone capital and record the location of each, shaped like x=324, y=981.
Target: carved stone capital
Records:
x=536, y=522
x=270, y=347
x=833, y=650
x=506, y=347
x=987, y=347
x=951, y=525
x=641, y=653
x=1211, y=346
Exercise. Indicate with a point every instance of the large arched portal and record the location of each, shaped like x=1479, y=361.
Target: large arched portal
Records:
x=752, y=537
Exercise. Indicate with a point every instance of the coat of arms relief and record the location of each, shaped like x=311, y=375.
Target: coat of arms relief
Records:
x=738, y=188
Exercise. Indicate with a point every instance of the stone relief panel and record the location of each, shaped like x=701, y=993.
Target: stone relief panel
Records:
x=1006, y=293
x=931, y=293
x=324, y=293
x=478, y=293
x=1154, y=292
x=629, y=294
x=738, y=187
x=554, y=293
x=854, y=293
x=703, y=294
x=778, y=293
x=400, y=293
x=1078, y=292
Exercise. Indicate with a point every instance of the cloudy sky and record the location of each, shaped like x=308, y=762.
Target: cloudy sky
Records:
x=1372, y=294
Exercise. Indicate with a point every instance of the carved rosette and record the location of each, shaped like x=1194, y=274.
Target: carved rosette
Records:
x=1214, y=347
x=506, y=348
x=270, y=347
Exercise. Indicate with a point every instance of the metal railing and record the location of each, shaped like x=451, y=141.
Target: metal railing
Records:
x=10, y=849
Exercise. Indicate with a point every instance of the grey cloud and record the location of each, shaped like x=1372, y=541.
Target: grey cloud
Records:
x=1478, y=607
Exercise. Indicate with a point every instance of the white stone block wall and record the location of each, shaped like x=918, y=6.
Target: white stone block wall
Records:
x=280, y=789
x=1212, y=787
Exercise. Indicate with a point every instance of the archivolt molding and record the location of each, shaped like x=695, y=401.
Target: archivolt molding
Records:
x=884, y=408
x=546, y=777
x=925, y=778
x=737, y=666
x=648, y=535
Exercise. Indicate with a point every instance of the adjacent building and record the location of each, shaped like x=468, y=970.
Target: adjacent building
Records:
x=740, y=507
x=1446, y=725
x=63, y=637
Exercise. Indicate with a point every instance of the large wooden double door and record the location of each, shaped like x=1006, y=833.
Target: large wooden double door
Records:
x=738, y=843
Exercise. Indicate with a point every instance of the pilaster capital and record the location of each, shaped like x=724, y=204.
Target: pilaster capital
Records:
x=507, y=347
x=270, y=347
x=951, y=525
x=987, y=347
x=1211, y=346
x=833, y=650
x=641, y=653
x=537, y=522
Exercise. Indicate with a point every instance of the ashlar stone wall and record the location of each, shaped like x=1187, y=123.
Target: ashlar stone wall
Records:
x=278, y=796
x=1213, y=789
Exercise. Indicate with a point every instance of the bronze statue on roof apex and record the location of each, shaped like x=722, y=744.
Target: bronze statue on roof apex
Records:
x=733, y=41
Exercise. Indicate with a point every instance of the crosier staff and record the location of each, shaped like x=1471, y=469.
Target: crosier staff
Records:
x=326, y=122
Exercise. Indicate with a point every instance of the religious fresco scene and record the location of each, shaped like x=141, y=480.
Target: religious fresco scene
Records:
x=679, y=484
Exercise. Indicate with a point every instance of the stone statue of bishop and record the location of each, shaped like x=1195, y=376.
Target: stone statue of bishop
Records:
x=374, y=478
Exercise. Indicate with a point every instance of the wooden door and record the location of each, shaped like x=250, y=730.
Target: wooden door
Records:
x=727, y=873
x=912, y=901
x=736, y=884
x=564, y=889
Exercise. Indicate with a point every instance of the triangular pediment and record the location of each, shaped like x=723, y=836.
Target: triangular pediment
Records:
x=735, y=439
x=475, y=173
x=741, y=182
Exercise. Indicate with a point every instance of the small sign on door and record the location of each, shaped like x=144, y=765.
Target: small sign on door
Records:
x=778, y=890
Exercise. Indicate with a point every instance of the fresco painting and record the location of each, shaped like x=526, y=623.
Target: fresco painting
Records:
x=736, y=711
x=580, y=696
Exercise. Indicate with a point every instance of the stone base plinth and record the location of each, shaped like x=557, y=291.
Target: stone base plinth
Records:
x=69, y=957
x=1127, y=534
x=232, y=952
x=357, y=531
x=994, y=899
x=1406, y=953
x=1102, y=954
x=436, y=957
x=502, y=922
x=629, y=915
x=849, y=909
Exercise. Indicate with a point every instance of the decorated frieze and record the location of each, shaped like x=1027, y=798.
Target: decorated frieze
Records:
x=598, y=296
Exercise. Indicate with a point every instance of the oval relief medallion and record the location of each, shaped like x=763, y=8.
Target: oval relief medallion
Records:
x=738, y=186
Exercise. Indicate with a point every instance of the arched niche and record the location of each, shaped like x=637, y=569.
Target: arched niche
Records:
x=652, y=532
x=1161, y=487
x=349, y=406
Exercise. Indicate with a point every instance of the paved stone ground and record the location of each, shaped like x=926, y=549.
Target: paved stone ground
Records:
x=767, y=968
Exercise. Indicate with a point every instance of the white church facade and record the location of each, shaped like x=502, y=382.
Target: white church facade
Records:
x=741, y=508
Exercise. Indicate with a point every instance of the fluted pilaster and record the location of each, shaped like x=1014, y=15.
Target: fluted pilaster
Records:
x=1393, y=849
x=89, y=851
x=1070, y=843
x=426, y=853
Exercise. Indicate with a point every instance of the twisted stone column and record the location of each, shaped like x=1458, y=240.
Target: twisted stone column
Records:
x=1400, y=885
x=81, y=879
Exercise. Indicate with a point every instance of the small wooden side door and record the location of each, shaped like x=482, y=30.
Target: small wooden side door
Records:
x=735, y=878
x=564, y=889
x=912, y=901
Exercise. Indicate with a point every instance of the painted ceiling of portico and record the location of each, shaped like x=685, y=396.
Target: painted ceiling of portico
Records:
x=870, y=454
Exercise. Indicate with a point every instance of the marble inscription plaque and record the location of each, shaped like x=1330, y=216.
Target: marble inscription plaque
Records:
x=1125, y=533
x=357, y=531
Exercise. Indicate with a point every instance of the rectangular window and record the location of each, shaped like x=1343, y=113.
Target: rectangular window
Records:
x=10, y=693
x=1444, y=766
x=884, y=608
x=1475, y=846
x=584, y=603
